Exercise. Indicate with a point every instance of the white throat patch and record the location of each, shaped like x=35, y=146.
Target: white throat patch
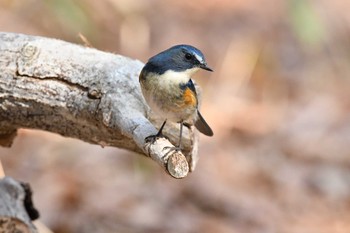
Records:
x=179, y=77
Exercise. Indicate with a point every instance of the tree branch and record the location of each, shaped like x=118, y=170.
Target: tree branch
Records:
x=13, y=213
x=82, y=93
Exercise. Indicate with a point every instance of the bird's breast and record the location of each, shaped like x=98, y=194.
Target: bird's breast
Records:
x=168, y=95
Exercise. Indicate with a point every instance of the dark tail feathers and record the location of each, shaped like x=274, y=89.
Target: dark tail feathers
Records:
x=202, y=126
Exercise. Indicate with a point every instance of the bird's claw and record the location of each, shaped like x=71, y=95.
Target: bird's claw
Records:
x=152, y=138
x=172, y=148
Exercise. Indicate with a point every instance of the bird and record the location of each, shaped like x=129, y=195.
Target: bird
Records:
x=169, y=91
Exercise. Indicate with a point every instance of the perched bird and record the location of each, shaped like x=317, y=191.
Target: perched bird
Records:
x=168, y=89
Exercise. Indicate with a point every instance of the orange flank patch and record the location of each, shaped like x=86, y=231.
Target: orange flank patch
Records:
x=189, y=97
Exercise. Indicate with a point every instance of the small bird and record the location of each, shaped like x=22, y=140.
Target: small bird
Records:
x=168, y=89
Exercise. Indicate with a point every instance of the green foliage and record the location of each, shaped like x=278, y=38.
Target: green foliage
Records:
x=72, y=16
x=306, y=22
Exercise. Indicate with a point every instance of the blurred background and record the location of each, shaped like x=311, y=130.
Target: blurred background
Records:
x=278, y=102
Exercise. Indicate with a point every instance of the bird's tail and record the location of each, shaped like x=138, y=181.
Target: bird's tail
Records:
x=202, y=126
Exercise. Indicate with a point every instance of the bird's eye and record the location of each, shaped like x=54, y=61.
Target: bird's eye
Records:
x=188, y=56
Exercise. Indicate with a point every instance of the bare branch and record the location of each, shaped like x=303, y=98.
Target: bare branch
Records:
x=13, y=214
x=83, y=93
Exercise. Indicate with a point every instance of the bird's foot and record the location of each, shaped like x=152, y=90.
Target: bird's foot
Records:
x=172, y=148
x=152, y=138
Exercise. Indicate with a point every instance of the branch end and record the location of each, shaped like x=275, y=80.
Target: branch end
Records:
x=177, y=165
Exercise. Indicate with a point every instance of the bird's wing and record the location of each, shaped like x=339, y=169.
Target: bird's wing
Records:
x=190, y=97
x=200, y=124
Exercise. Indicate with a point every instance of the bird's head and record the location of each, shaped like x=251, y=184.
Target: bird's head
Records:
x=179, y=58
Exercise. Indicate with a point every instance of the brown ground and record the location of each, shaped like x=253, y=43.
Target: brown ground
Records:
x=278, y=101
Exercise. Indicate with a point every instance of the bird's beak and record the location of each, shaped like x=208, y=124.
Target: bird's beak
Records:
x=206, y=67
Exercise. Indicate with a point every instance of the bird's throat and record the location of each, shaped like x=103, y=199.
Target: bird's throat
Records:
x=178, y=77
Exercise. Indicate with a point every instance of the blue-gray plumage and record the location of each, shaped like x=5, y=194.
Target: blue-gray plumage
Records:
x=168, y=89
